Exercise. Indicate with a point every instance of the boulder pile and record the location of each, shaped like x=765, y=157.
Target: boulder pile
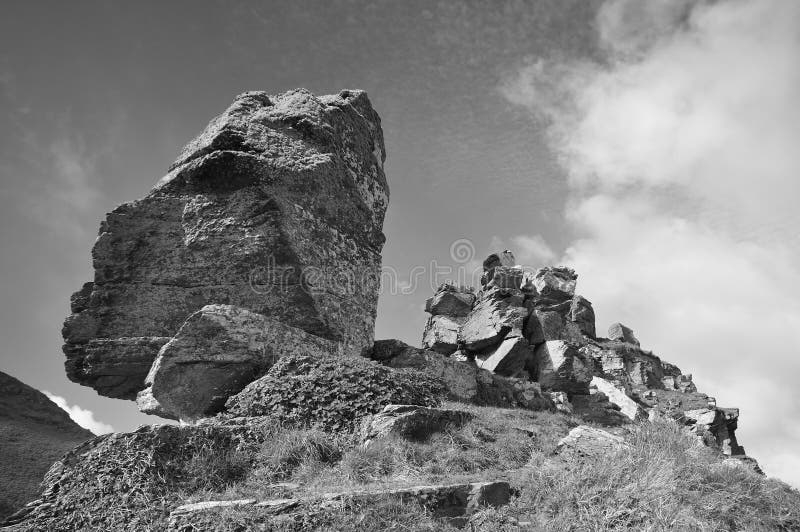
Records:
x=532, y=326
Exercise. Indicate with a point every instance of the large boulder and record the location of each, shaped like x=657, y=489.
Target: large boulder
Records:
x=620, y=333
x=555, y=282
x=511, y=358
x=215, y=354
x=497, y=314
x=450, y=301
x=441, y=334
x=277, y=208
x=560, y=319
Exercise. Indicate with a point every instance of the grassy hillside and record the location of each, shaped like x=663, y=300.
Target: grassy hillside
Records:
x=665, y=480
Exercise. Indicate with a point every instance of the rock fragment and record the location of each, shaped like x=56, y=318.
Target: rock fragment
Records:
x=411, y=422
x=585, y=441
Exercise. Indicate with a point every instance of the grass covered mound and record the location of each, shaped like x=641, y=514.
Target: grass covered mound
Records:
x=664, y=480
x=332, y=392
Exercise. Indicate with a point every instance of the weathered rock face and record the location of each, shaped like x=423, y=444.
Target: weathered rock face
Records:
x=214, y=355
x=276, y=208
x=441, y=334
x=450, y=301
x=621, y=333
x=498, y=313
x=616, y=394
x=555, y=283
x=561, y=367
x=463, y=380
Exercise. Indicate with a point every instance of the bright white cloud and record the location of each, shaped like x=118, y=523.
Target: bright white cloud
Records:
x=81, y=416
x=681, y=149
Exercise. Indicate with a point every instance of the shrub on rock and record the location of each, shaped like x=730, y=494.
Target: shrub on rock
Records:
x=334, y=392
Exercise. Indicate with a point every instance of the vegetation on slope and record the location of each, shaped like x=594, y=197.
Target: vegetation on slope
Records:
x=665, y=480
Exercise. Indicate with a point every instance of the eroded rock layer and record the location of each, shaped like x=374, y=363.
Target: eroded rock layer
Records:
x=276, y=208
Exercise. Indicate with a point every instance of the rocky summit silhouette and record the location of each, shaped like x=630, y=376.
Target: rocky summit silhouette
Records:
x=239, y=297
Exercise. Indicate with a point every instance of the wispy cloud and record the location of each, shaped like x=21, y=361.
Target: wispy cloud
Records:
x=52, y=165
x=680, y=146
x=83, y=417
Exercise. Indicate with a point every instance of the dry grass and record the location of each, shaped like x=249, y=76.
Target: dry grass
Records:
x=665, y=481
x=495, y=442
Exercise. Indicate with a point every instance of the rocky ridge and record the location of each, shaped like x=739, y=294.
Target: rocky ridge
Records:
x=532, y=325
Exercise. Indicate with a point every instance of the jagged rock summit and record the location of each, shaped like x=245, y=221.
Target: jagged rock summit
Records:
x=276, y=208
x=34, y=433
x=531, y=325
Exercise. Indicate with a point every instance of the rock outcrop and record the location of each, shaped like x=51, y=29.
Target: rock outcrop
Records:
x=276, y=208
x=34, y=433
x=533, y=326
x=463, y=380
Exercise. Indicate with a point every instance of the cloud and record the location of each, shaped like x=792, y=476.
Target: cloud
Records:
x=530, y=250
x=680, y=147
x=81, y=416
x=68, y=187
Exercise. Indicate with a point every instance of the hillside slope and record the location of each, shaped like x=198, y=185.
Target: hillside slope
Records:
x=34, y=433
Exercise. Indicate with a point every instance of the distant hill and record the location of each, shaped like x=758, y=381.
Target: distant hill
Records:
x=34, y=433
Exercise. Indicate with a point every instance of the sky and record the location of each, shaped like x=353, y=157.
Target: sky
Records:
x=652, y=146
